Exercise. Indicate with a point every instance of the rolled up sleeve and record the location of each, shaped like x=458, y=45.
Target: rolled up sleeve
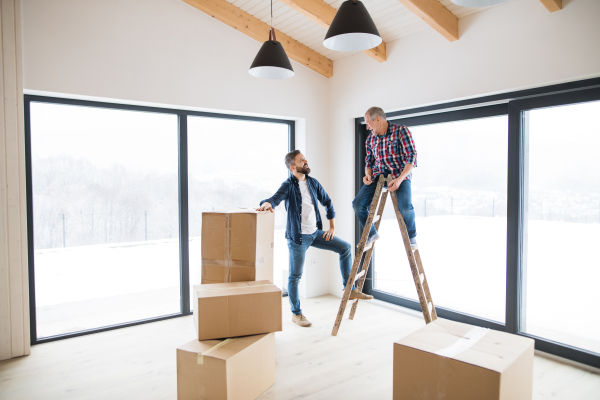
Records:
x=369, y=160
x=409, y=151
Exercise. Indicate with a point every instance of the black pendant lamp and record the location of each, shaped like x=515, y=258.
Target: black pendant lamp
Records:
x=271, y=62
x=352, y=29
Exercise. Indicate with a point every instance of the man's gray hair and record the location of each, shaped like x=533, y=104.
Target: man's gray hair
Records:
x=375, y=112
x=290, y=157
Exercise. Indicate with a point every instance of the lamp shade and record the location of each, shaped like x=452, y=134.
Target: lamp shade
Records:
x=352, y=29
x=271, y=62
x=478, y=3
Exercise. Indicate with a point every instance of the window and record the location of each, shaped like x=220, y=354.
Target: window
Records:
x=235, y=164
x=105, y=216
x=530, y=186
x=115, y=195
x=459, y=196
x=561, y=294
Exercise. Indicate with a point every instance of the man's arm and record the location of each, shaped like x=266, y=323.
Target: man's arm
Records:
x=369, y=160
x=272, y=202
x=328, y=235
x=325, y=200
x=408, y=154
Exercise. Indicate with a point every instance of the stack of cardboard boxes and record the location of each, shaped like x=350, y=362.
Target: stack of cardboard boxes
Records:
x=236, y=310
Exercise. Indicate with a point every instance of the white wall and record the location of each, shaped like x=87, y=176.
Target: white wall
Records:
x=512, y=46
x=166, y=52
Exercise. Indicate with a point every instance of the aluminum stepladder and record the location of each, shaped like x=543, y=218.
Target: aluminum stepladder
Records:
x=414, y=259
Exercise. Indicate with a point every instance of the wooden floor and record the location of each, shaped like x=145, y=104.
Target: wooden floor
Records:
x=139, y=362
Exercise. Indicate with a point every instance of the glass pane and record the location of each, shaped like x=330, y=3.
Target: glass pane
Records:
x=234, y=164
x=459, y=196
x=105, y=209
x=563, y=252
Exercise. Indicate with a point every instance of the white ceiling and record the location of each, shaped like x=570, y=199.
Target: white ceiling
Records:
x=392, y=19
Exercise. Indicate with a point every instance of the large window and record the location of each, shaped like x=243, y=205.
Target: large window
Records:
x=562, y=299
x=459, y=196
x=507, y=202
x=234, y=164
x=104, y=215
x=115, y=197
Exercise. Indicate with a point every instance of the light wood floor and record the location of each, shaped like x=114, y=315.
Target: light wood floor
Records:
x=139, y=362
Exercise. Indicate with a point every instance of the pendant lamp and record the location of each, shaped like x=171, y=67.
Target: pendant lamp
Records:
x=271, y=61
x=352, y=29
x=478, y=3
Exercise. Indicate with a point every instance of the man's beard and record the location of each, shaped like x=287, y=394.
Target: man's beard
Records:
x=303, y=170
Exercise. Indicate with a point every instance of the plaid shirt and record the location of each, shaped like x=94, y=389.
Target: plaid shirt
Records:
x=391, y=152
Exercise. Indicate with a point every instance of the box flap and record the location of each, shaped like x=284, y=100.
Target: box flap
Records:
x=482, y=347
x=236, y=211
x=234, y=288
x=220, y=349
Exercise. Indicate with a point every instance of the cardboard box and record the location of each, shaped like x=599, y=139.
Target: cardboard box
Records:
x=224, y=310
x=237, y=246
x=233, y=369
x=453, y=361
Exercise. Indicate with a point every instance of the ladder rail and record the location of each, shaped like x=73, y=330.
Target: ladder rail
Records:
x=367, y=260
x=411, y=260
x=358, y=257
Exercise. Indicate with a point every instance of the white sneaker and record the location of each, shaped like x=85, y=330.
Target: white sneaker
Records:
x=413, y=243
x=370, y=241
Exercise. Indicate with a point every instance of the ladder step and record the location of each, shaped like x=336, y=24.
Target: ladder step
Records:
x=357, y=277
x=377, y=218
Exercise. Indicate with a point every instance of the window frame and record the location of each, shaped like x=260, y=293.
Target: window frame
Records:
x=515, y=105
x=183, y=212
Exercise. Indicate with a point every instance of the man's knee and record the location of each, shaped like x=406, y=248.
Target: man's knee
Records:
x=355, y=204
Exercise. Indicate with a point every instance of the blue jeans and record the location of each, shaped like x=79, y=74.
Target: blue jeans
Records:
x=362, y=203
x=297, y=253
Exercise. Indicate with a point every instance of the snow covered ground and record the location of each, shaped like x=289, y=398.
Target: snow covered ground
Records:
x=464, y=257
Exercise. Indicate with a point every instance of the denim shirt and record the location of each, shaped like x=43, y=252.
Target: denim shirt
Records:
x=290, y=192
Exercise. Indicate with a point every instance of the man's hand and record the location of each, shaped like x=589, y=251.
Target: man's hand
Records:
x=395, y=184
x=265, y=206
x=367, y=179
x=328, y=235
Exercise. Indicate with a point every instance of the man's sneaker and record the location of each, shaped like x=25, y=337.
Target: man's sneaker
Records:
x=370, y=240
x=301, y=320
x=356, y=294
x=413, y=243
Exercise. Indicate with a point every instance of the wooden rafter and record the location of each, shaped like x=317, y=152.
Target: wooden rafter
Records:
x=436, y=15
x=258, y=30
x=322, y=13
x=552, y=5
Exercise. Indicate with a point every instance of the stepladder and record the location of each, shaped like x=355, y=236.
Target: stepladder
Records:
x=362, y=259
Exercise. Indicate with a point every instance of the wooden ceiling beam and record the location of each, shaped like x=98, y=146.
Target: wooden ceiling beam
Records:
x=435, y=15
x=552, y=5
x=258, y=30
x=322, y=13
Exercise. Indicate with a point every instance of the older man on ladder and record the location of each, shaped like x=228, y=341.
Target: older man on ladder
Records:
x=390, y=150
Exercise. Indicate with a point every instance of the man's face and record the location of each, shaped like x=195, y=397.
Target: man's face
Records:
x=377, y=126
x=301, y=165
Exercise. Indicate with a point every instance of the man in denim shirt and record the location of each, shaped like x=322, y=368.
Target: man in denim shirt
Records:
x=305, y=228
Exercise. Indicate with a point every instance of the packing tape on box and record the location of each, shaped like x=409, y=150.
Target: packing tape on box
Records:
x=464, y=343
x=200, y=358
x=231, y=288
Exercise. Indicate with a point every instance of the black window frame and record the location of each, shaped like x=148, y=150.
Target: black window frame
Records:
x=515, y=105
x=182, y=144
